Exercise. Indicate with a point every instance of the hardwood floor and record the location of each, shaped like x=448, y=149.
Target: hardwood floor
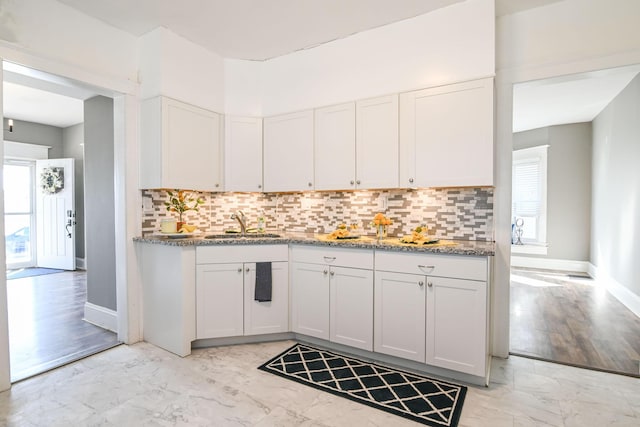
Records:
x=46, y=326
x=571, y=320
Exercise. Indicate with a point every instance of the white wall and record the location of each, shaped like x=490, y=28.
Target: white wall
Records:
x=561, y=38
x=175, y=67
x=448, y=45
x=615, y=242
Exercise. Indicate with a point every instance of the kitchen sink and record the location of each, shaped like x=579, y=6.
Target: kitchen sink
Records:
x=239, y=236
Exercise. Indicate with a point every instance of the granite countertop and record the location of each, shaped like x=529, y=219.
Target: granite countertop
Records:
x=454, y=247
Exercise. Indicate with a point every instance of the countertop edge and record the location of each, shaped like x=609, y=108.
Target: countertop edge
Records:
x=458, y=247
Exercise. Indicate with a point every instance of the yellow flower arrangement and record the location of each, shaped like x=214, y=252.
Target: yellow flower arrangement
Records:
x=380, y=219
x=380, y=222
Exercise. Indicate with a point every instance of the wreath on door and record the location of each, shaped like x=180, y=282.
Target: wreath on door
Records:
x=52, y=180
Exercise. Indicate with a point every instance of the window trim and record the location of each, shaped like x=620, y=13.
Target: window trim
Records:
x=538, y=153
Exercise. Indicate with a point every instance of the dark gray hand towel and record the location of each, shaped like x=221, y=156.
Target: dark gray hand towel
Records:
x=263, y=282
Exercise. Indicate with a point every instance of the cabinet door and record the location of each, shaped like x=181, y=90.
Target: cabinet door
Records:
x=335, y=147
x=351, y=307
x=399, y=315
x=446, y=135
x=270, y=316
x=180, y=146
x=219, y=300
x=377, y=142
x=310, y=299
x=243, y=154
x=456, y=324
x=288, y=152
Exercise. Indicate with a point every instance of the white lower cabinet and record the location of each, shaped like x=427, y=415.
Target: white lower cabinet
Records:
x=225, y=304
x=333, y=295
x=457, y=324
x=219, y=300
x=400, y=315
x=424, y=313
x=310, y=308
x=351, y=307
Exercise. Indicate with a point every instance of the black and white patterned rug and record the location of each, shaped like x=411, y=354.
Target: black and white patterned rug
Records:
x=428, y=401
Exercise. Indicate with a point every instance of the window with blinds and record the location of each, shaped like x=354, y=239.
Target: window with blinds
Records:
x=529, y=192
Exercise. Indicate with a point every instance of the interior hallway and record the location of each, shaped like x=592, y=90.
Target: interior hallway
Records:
x=46, y=329
x=568, y=318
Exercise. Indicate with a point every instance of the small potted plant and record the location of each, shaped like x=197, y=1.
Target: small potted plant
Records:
x=181, y=201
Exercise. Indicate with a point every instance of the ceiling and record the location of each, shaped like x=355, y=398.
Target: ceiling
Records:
x=575, y=98
x=259, y=29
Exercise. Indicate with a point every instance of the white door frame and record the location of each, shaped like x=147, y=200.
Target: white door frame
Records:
x=127, y=196
x=505, y=79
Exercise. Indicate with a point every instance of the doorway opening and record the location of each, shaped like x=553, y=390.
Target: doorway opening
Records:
x=574, y=293
x=49, y=310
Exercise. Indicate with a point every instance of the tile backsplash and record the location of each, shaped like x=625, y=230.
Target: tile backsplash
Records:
x=453, y=213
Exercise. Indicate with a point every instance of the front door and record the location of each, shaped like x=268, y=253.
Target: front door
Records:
x=55, y=214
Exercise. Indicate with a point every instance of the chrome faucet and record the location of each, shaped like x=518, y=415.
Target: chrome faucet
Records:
x=239, y=216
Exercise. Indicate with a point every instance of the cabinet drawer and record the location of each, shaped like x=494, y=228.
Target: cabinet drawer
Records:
x=241, y=253
x=354, y=258
x=458, y=266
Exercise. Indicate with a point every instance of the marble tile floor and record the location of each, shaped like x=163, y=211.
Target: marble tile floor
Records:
x=142, y=385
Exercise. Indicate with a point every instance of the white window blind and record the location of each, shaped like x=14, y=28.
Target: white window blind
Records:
x=526, y=188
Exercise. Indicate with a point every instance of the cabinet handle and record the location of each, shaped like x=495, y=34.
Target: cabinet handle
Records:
x=329, y=258
x=430, y=284
x=332, y=273
x=358, y=181
x=247, y=270
x=259, y=186
x=310, y=184
x=424, y=268
x=217, y=185
x=240, y=270
x=352, y=182
x=411, y=180
x=325, y=272
x=421, y=283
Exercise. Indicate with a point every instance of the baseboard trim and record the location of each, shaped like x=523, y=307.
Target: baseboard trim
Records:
x=550, y=264
x=101, y=316
x=617, y=289
x=80, y=264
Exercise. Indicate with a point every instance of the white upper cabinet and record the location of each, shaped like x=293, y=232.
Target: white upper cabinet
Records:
x=335, y=147
x=180, y=146
x=377, y=142
x=446, y=135
x=243, y=153
x=288, y=152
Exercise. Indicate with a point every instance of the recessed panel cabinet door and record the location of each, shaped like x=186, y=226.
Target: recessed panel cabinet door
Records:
x=180, y=146
x=310, y=299
x=377, y=142
x=335, y=147
x=399, y=315
x=288, y=152
x=267, y=317
x=446, y=136
x=456, y=324
x=219, y=300
x=243, y=153
x=351, y=307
